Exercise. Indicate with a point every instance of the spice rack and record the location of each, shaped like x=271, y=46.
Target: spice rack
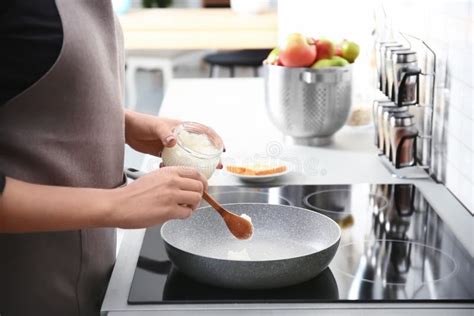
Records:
x=423, y=110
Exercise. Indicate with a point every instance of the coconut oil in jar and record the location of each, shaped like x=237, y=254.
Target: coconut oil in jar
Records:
x=197, y=146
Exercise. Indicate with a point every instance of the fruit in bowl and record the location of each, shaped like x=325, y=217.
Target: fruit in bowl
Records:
x=323, y=63
x=334, y=61
x=301, y=51
x=339, y=61
x=325, y=49
x=348, y=50
x=273, y=57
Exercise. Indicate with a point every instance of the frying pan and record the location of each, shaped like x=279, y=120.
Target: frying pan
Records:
x=290, y=245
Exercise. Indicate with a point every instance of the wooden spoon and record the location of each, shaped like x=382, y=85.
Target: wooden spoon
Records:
x=238, y=226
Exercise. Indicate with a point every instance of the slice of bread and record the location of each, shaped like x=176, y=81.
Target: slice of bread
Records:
x=256, y=169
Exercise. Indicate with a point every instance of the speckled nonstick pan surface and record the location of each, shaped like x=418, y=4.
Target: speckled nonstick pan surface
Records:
x=290, y=245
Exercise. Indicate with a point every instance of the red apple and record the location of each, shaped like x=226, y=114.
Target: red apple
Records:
x=325, y=49
x=298, y=51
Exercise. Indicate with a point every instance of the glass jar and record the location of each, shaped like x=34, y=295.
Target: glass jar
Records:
x=383, y=53
x=389, y=58
x=406, y=75
x=403, y=140
x=387, y=114
x=380, y=131
x=379, y=62
x=375, y=108
x=197, y=146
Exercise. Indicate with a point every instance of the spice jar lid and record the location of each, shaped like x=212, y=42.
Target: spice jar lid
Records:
x=390, y=44
x=390, y=51
x=386, y=107
x=382, y=101
x=404, y=57
x=386, y=103
x=386, y=42
x=386, y=48
x=401, y=119
x=397, y=109
x=398, y=50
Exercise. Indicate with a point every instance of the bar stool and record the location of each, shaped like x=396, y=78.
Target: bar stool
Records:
x=242, y=58
x=163, y=60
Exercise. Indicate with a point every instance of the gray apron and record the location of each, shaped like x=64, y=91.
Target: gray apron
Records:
x=66, y=129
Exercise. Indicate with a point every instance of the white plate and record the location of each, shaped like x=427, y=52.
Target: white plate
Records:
x=263, y=178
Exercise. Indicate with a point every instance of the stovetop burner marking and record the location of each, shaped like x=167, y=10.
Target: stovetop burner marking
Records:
x=381, y=203
x=453, y=267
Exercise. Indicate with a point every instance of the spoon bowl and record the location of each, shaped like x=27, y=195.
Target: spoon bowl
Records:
x=240, y=227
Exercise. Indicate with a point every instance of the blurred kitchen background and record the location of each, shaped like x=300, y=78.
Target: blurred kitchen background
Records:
x=182, y=40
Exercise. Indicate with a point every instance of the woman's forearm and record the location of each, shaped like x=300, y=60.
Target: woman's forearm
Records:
x=26, y=207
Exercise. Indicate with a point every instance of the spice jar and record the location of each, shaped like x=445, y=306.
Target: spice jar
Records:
x=379, y=62
x=390, y=54
x=196, y=146
x=403, y=140
x=406, y=76
x=383, y=53
x=386, y=115
x=380, y=130
x=375, y=107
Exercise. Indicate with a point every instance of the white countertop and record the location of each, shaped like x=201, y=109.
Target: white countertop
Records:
x=235, y=109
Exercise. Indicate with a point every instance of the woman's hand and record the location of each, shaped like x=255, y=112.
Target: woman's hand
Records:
x=167, y=193
x=149, y=134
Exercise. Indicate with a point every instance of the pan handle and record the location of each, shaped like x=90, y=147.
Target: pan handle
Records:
x=154, y=266
x=133, y=173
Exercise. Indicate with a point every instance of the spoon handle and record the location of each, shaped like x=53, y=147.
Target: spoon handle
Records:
x=209, y=199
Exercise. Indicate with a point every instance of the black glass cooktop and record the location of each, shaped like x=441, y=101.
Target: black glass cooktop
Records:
x=394, y=247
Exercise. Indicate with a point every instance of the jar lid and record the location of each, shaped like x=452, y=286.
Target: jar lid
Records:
x=401, y=119
x=386, y=103
x=390, y=44
x=387, y=42
x=386, y=107
x=397, y=109
x=396, y=50
x=381, y=101
x=390, y=51
x=404, y=57
x=387, y=47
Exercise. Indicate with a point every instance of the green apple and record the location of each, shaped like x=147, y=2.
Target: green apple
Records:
x=272, y=58
x=349, y=50
x=322, y=63
x=337, y=61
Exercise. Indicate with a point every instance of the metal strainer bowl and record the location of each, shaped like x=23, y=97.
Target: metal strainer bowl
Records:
x=309, y=105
